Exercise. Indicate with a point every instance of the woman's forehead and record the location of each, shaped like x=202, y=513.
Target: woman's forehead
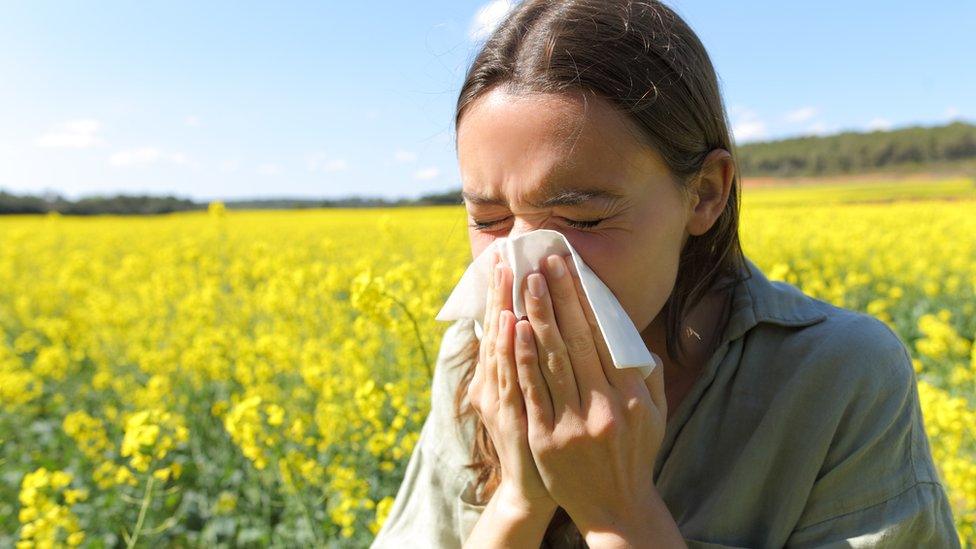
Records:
x=506, y=139
x=550, y=194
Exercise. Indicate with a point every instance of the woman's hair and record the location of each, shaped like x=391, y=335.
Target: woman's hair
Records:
x=648, y=63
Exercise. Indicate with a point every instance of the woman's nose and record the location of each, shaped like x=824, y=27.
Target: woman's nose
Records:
x=522, y=226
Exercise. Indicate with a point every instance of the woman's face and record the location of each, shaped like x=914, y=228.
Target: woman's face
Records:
x=516, y=153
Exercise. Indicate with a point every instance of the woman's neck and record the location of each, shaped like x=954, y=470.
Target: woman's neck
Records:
x=701, y=329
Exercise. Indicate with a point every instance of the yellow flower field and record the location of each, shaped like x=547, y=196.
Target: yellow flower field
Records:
x=237, y=377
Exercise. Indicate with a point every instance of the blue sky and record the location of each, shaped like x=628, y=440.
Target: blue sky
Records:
x=326, y=99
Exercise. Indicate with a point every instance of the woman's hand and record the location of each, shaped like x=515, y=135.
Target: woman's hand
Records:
x=494, y=393
x=593, y=429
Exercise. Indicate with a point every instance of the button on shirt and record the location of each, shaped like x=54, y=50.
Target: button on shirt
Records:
x=804, y=429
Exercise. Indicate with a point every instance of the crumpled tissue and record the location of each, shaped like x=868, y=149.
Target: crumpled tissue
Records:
x=523, y=255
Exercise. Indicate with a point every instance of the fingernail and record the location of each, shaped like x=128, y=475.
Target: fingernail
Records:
x=522, y=330
x=556, y=266
x=537, y=285
x=498, y=274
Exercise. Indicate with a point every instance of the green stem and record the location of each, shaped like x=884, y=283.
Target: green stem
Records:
x=416, y=331
x=142, y=512
x=297, y=497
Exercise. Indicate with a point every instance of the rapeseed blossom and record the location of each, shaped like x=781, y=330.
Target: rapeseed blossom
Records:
x=273, y=368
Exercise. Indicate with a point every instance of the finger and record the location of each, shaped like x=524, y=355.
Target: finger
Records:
x=535, y=391
x=655, y=386
x=503, y=302
x=616, y=377
x=490, y=313
x=504, y=296
x=575, y=330
x=553, y=358
x=508, y=384
x=490, y=374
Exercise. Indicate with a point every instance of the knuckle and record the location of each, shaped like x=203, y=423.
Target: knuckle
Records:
x=579, y=343
x=524, y=356
x=486, y=407
x=544, y=328
x=605, y=428
x=635, y=406
x=504, y=385
x=558, y=363
x=601, y=405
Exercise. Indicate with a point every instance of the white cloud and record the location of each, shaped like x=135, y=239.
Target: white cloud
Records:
x=269, y=169
x=404, y=156
x=747, y=126
x=952, y=112
x=230, y=165
x=335, y=165
x=317, y=162
x=81, y=133
x=800, y=115
x=487, y=19
x=738, y=110
x=879, y=124
x=146, y=155
x=192, y=121
x=426, y=173
x=818, y=128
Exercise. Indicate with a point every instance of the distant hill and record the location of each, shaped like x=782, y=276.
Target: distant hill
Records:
x=858, y=152
x=93, y=205
x=148, y=204
x=952, y=147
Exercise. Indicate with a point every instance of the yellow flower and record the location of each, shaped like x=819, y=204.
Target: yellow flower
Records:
x=44, y=519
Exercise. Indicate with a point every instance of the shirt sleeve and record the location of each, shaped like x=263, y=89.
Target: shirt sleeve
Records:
x=918, y=517
x=878, y=486
x=428, y=510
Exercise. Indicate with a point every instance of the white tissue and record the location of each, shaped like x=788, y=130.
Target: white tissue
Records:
x=523, y=255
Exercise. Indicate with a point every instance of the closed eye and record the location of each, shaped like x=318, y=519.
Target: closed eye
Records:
x=578, y=224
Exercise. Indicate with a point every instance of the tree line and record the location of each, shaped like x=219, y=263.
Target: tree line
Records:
x=843, y=153
x=859, y=152
x=149, y=204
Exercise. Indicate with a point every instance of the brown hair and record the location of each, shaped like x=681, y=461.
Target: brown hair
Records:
x=651, y=67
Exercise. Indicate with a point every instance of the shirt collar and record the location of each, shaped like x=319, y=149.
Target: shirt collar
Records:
x=757, y=299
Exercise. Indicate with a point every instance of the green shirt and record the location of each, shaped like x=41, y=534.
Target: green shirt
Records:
x=803, y=430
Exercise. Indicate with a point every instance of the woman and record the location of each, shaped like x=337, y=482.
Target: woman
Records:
x=776, y=420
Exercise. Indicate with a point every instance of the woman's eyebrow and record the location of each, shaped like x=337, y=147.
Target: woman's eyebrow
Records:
x=557, y=197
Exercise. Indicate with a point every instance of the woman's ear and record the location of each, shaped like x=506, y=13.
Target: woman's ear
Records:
x=710, y=191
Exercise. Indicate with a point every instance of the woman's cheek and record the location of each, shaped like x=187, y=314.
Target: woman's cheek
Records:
x=610, y=260
x=631, y=269
x=479, y=241
x=598, y=250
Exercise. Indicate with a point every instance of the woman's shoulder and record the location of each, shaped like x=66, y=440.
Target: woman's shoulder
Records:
x=849, y=386
x=845, y=381
x=789, y=330
x=844, y=344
